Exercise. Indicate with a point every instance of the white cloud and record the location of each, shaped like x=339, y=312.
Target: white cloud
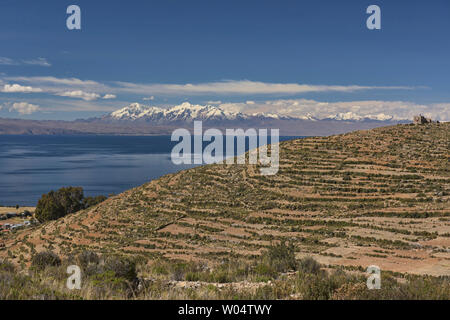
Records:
x=214, y=102
x=18, y=88
x=79, y=94
x=242, y=88
x=149, y=98
x=38, y=62
x=52, y=104
x=54, y=84
x=67, y=87
x=7, y=61
x=24, y=108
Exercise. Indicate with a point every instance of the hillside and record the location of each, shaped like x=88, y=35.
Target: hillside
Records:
x=369, y=197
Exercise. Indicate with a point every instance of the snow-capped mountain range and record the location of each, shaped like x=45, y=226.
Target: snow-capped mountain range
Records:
x=351, y=116
x=187, y=112
x=137, y=119
x=182, y=112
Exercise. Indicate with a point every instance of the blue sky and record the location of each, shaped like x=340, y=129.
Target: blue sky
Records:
x=232, y=52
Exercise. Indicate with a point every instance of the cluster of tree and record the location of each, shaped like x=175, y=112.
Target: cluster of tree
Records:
x=57, y=204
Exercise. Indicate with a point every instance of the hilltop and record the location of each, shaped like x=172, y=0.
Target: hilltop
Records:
x=374, y=197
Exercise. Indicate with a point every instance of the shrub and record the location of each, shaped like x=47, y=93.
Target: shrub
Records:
x=89, y=262
x=86, y=258
x=160, y=268
x=192, y=276
x=309, y=265
x=281, y=257
x=92, y=201
x=45, y=259
x=350, y=291
x=264, y=271
x=6, y=266
x=317, y=287
x=107, y=284
x=122, y=267
x=178, y=272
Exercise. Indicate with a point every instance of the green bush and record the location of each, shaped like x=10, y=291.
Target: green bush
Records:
x=6, y=266
x=317, y=287
x=89, y=262
x=45, y=259
x=57, y=204
x=86, y=258
x=107, y=284
x=122, y=267
x=281, y=257
x=309, y=265
x=110, y=276
x=179, y=272
x=264, y=270
x=160, y=268
x=92, y=201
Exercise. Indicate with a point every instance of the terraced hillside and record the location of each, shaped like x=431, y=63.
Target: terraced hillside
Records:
x=369, y=197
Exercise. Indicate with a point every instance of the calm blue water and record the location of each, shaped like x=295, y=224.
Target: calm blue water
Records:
x=33, y=165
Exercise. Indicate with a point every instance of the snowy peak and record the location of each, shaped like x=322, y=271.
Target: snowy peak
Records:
x=308, y=116
x=135, y=111
x=351, y=116
x=345, y=116
x=268, y=115
x=381, y=117
x=182, y=112
x=187, y=112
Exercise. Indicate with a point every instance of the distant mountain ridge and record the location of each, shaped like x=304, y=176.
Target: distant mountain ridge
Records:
x=183, y=112
x=189, y=112
x=139, y=119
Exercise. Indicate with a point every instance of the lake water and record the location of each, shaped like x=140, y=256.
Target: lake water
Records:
x=33, y=165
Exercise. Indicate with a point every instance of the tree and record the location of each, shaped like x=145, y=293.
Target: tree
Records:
x=57, y=204
x=49, y=208
x=92, y=201
x=71, y=198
